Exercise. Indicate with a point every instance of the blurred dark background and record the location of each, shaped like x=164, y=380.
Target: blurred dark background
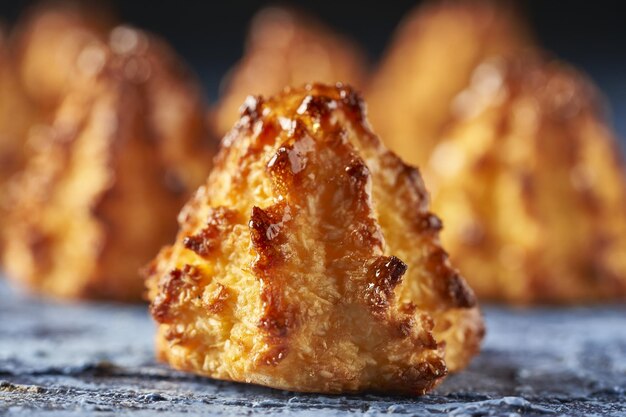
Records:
x=210, y=35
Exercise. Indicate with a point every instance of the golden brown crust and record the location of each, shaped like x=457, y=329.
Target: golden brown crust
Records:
x=326, y=263
x=431, y=59
x=286, y=48
x=101, y=194
x=531, y=186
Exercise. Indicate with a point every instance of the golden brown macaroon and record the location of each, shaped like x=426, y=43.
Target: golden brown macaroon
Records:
x=285, y=48
x=430, y=60
x=111, y=173
x=530, y=184
x=48, y=41
x=310, y=262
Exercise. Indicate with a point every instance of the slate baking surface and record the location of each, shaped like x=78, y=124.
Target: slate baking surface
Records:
x=97, y=359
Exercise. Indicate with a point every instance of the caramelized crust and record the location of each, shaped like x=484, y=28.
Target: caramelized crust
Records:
x=99, y=198
x=309, y=260
x=286, y=48
x=530, y=184
x=431, y=59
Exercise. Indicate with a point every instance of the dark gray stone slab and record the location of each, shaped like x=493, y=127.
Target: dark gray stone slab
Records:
x=97, y=359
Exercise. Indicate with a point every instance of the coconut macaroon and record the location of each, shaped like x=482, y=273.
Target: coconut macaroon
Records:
x=126, y=147
x=285, y=48
x=310, y=261
x=530, y=183
x=431, y=59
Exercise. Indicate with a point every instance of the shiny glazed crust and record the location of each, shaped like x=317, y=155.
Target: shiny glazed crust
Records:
x=287, y=48
x=100, y=196
x=531, y=186
x=310, y=262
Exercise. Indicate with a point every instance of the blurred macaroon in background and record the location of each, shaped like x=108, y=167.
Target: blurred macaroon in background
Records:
x=211, y=37
x=495, y=102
